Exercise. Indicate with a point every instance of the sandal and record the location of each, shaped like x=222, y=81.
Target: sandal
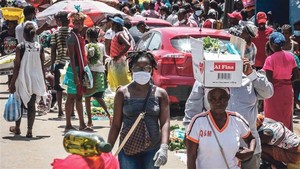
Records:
x=86, y=128
x=29, y=135
x=14, y=130
x=70, y=128
x=90, y=125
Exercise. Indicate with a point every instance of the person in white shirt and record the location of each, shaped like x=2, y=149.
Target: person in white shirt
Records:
x=173, y=18
x=213, y=137
x=29, y=15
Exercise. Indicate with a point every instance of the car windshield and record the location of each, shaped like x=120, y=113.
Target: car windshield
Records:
x=136, y=34
x=183, y=44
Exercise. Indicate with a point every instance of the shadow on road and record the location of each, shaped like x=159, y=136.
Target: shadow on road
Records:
x=23, y=138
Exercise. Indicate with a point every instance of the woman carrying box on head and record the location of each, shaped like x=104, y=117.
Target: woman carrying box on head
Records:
x=213, y=137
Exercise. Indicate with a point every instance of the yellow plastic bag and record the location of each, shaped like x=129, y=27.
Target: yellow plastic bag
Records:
x=118, y=73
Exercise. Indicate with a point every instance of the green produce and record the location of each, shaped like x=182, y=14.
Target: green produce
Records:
x=211, y=44
x=173, y=127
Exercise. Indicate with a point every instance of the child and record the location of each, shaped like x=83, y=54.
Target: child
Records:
x=28, y=77
x=96, y=56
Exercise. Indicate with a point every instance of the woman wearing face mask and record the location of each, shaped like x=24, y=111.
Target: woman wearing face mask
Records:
x=128, y=104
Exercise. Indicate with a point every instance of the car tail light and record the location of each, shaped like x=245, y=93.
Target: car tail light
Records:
x=175, y=58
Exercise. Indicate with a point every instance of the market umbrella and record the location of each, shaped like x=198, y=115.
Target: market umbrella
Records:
x=95, y=10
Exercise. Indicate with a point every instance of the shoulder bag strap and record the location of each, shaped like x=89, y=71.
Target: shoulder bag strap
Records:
x=147, y=98
x=221, y=149
x=140, y=117
x=78, y=44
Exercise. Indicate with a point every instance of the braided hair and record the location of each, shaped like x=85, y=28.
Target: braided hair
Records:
x=133, y=58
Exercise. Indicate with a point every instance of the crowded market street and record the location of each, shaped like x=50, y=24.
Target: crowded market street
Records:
x=19, y=152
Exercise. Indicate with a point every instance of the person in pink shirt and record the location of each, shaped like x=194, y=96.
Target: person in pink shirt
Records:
x=281, y=71
x=158, y=4
x=261, y=39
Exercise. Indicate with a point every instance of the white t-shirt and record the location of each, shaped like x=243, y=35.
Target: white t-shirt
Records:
x=99, y=66
x=209, y=154
x=109, y=34
x=20, y=29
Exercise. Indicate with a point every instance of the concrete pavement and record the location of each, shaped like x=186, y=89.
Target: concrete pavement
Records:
x=19, y=152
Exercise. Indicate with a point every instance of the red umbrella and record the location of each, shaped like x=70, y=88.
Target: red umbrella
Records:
x=95, y=10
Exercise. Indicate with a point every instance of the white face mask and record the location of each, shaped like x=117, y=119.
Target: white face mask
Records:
x=182, y=21
x=297, y=33
x=141, y=77
x=198, y=13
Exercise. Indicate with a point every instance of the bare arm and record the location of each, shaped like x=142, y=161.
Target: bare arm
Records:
x=17, y=64
x=295, y=74
x=247, y=152
x=53, y=55
x=191, y=149
x=71, y=50
x=164, y=117
x=269, y=75
x=42, y=55
x=125, y=42
x=42, y=28
x=107, y=46
x=117, y=118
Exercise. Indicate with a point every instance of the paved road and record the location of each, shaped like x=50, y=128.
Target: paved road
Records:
x=18, y=152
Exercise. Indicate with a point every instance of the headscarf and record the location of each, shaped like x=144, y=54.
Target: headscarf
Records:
x=277, y=38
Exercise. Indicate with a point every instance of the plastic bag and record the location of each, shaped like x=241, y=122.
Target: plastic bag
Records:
x=45, y=106
x=118, y=73
x=12, y=110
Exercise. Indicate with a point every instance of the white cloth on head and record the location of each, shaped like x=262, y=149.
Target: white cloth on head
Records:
x=30, y=79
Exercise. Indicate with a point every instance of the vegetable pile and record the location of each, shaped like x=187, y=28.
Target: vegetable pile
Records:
x=176, y=138
x=211, y=44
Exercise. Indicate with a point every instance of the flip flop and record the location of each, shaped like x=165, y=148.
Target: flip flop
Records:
x=86, y=128
x=13, y=130
x=70, y=128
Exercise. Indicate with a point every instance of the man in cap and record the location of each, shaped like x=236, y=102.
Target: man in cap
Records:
x=261, y=39
x=244, y=100
x=210, y=22
x=234, y=18
x=142, y=27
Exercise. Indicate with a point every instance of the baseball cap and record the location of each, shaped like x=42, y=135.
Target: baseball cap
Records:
x=277, y=38
x=261, y=17
x=235, y=15
x=118, y=20
x=212, y=12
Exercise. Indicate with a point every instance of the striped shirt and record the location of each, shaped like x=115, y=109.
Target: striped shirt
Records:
x=59, y=39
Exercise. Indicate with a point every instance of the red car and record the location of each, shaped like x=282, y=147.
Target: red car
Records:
x=172, y=50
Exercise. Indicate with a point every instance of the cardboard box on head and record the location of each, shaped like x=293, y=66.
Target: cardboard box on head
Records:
x=219, y=68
